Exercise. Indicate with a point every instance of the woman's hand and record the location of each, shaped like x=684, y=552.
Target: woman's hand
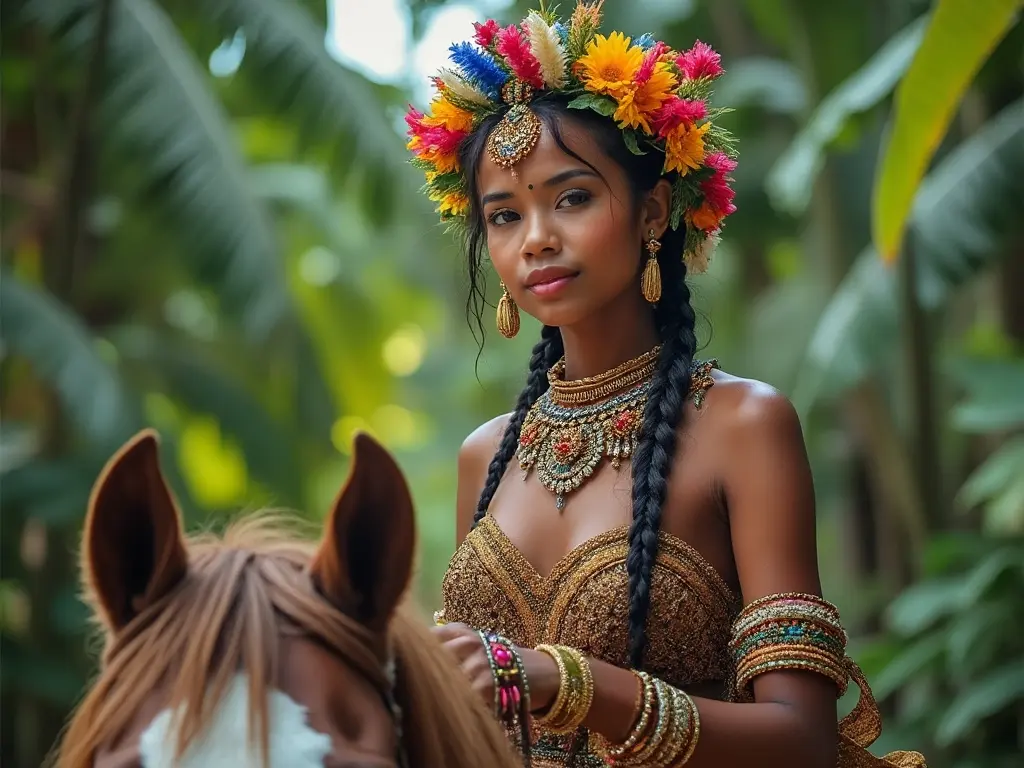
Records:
x=465, y=645
x=467, y=648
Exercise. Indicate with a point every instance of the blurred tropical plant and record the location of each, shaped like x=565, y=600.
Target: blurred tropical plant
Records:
x=209, y=227
x=952, y=648
x=926, y=101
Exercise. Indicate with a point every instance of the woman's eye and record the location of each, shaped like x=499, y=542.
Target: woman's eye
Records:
x=502, y=217
x=573, y=198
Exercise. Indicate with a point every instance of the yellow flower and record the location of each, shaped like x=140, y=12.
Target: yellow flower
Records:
x=684, y=148
x=640, y=103
x=610, y=65
x=444, y=162
x=445, y=114
x=454, y=204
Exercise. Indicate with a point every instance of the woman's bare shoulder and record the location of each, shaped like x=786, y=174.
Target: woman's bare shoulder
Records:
x=484, y=440
x=735, y=412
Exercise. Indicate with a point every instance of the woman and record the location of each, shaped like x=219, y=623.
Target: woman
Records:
x=643, y=587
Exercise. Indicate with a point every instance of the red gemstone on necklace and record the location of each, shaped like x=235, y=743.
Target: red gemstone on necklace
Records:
x=528, y=436
x=624, y=423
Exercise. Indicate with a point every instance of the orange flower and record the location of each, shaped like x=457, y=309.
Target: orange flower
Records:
x=641, y=102
x=444, y=114
x=706, y=218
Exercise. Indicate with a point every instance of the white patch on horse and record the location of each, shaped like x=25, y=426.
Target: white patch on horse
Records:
x=293, y=743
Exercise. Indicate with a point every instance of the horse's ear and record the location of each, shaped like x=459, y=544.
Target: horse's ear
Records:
x=364, y=562
x=133, y=549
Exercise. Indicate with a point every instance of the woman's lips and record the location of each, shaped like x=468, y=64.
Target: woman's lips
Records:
x=553, y=286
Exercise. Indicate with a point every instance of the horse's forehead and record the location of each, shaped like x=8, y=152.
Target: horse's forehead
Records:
x=293, y=743
x=321, y=714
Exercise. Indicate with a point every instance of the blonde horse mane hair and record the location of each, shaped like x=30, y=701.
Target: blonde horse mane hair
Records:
x=183, y=615
x=244, y=591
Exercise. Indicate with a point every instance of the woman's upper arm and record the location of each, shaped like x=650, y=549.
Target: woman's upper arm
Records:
x=770, y=494
x=474, y=457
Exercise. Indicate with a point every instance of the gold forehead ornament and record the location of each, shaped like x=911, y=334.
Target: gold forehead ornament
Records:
x=517, y=132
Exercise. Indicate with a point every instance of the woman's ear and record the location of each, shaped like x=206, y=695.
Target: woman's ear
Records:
x=657, y=209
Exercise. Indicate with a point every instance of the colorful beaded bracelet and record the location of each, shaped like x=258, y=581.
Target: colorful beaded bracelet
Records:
x=511, y=689
x=789, y=631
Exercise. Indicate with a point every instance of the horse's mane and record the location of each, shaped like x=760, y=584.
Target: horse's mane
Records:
x=242, y=589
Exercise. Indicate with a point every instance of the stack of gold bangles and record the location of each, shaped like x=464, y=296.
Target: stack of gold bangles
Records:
x=665, y=733
x=575, y=690
x=792, y=630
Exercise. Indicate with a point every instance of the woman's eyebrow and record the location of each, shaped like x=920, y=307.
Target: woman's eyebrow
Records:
x=558, y=178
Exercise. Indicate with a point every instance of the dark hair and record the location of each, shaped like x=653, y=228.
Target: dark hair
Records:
x=652, y=461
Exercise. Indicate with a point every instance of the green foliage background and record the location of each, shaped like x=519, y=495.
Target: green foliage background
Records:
x=243, y=262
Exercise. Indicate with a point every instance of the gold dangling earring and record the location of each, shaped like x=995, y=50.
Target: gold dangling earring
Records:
x=650, y=284
x=508, y=314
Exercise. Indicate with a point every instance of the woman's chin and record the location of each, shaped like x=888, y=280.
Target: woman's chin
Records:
x=558, y=316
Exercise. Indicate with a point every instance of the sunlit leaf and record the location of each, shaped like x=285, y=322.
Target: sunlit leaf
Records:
x=63, y=353
x=960, y=36
x=791, y=181
x=968, y=209
x=977, y=186
x=270, y=449
x=287, y=57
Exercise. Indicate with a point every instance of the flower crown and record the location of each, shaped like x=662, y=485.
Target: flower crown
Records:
x=658, y=97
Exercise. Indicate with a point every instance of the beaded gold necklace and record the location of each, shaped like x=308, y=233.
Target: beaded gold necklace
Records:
x=575, y=424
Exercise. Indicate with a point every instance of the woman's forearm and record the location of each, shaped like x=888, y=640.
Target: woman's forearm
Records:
x=732, y=735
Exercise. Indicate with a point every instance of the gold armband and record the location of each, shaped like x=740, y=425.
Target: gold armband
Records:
x=789, y=631
x=800, y=631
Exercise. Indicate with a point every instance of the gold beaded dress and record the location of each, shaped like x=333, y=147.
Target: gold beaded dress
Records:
x=583, y=603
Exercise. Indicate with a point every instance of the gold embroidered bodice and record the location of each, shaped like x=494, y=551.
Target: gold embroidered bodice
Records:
x=584, y=602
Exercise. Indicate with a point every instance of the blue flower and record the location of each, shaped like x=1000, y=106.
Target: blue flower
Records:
x=479, y=68
x=563, y=33
x=645, y=41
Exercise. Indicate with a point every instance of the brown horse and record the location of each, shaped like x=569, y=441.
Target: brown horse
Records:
x=257, y=648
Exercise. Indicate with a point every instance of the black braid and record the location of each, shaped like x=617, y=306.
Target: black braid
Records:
x=546, y=353
x=652, y=461
x=670, y=385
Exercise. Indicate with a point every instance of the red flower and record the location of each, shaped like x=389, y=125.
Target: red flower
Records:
x=485, y=33
x=516, y=50
x=652, y=57
x=700, y=61
x=676, y=112
x=717, y=192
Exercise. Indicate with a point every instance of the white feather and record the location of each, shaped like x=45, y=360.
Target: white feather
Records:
x=464, y=90
x=697, y=261
x=293, y=743
x=546, y=45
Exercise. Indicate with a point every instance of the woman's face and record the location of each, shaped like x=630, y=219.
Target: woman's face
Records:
x=566, y=242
